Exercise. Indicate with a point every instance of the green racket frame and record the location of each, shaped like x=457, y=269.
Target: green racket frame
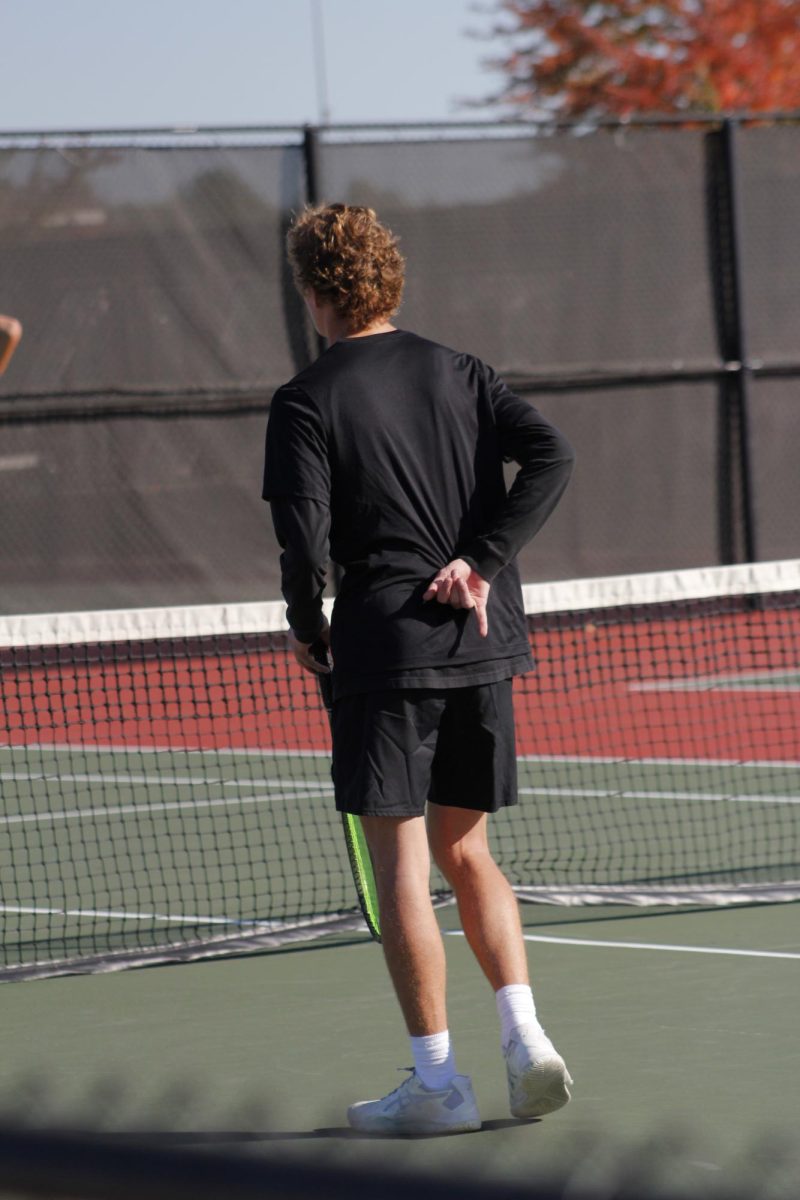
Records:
x=363, y=874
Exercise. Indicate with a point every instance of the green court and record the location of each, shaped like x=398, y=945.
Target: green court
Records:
x=672, y=1024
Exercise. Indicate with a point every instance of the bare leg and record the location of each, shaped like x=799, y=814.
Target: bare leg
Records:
x=538, y=1080
x=412, y=943
x=486, y=903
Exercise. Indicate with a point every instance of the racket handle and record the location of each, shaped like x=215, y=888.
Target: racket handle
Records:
x=321, y=653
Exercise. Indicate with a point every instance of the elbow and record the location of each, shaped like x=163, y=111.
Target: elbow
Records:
x=566, y=450
x=304, y=563
x=566, y=455
x=11, y=327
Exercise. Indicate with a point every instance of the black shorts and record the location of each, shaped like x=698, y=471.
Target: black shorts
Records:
x=396, y=749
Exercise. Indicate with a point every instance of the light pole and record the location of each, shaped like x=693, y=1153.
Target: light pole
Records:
x=323, y=108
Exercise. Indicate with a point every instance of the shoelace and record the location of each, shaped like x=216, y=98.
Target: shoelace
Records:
x=400, y=1086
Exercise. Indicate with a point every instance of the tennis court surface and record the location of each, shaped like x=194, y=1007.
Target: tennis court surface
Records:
x=166, y=795
x=684, y=1057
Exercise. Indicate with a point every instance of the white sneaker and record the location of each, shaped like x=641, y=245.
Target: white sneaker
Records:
x=538, y=1080
x=413, y=1108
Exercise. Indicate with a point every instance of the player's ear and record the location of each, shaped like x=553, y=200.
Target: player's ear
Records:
x=312, y=303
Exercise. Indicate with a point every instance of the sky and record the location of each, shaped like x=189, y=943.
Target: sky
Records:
x=105, y=64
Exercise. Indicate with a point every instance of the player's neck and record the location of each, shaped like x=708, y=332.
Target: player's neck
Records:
x=378, y=327
x=334, y=329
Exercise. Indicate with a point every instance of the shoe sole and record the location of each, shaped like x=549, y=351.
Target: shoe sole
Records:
x=542, y=1089
x=397, y=1129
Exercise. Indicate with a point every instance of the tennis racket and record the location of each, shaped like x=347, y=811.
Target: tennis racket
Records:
x=357, y=849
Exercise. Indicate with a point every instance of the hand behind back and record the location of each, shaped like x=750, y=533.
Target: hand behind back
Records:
x=461, y=587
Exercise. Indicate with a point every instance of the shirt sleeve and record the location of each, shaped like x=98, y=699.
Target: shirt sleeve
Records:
x=302, y=528
x=297, y=485
x=296, y=455
x=545, y=459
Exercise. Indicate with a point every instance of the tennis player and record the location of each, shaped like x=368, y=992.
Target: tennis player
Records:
x=10, y=336
x=386, y=454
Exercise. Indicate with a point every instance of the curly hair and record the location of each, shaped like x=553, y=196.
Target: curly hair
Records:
x=344, y=254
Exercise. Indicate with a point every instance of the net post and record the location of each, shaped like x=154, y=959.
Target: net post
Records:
x=742, y=406
x=736, y=517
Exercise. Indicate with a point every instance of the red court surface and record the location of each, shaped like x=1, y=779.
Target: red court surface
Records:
x=583, y=700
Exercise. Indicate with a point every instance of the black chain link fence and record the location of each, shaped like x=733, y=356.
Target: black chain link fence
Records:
x=636, y=283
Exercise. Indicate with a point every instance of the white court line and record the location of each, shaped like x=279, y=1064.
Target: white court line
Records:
x=90, y=747
x=200, y=752
x=115, y=777
x=617, y=761
x=121, y=915
x=257, y=925
x=323, y=786
x=155, y=780
x=778, y=680
x=636, y=794
x=122, y=810
x=561, y=941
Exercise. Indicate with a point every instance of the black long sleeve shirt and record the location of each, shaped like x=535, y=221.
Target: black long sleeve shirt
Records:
x=387, y=453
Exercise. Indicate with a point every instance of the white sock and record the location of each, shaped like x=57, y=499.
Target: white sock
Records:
x=434, y=1061
x=515, y=1007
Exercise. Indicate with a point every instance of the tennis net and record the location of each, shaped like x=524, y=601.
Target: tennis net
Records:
x=166, y=789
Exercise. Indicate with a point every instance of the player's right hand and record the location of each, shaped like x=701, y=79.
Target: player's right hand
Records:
x=461, y=587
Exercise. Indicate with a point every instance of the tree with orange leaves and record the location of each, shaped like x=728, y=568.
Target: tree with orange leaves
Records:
x=572, y=58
